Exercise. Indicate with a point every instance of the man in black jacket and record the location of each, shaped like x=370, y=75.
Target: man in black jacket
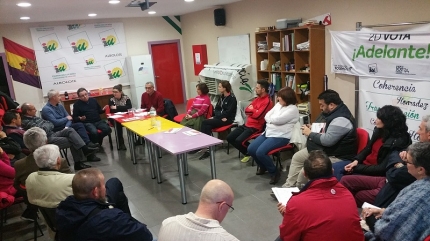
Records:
x=225, y=112
x=87, y=215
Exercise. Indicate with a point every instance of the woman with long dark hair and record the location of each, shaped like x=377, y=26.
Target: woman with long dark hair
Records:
x=119, y=103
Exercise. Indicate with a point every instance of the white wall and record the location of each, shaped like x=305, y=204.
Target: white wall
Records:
x=138, y=31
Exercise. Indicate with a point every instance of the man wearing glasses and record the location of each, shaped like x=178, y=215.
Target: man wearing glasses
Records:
x=152, y=98
x=216, y=200
x=87, y=111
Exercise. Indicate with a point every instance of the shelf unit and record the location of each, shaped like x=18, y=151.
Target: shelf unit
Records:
x=314, y=57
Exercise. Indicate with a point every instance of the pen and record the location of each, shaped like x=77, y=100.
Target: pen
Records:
x=150, y=128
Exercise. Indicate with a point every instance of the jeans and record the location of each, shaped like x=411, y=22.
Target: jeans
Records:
x=238, y=135
x=82, y=132
x=339, y=169
x=209, y=124
x=262, y=145
x=115, y=194
x=363, y=188
x=99, y=125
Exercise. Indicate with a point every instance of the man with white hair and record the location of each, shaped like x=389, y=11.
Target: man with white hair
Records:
x=216, y=200
x=48, y=186
x=152, y=98
x=55, y=112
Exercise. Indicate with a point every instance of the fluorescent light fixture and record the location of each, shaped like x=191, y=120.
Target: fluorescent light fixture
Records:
x=92, y=14
x=189, y=0
x=23, y=5
x=24, y=18
x=152, y=12
x=114, y=2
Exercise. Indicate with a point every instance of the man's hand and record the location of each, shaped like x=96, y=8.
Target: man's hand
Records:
x=224, y=119
x=69, y=118
x=82, y=118
x=403, y=155
x=113, y=107
x=367, y=212
x=2, y=134
x=350, y=166
x=281, y=208
x=305, y=130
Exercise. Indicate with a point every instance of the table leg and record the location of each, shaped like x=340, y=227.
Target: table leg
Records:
x=213, y=168
x=116, y=132
x=151, y=159
x=157, y=163
x=185, y=163
x=131, y=145
x=181, y=178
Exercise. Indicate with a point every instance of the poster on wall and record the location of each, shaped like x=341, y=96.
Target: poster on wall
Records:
x=398, y=55
x=410, y=96
x=80, y=55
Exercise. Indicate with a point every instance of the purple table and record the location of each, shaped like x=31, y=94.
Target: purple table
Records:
x=179, y=144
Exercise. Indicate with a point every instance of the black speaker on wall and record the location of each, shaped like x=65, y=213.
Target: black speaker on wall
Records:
x=219, y=16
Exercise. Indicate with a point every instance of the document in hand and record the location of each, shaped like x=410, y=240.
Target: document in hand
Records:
x=318, y=127
x=284, y=194
x=368, y=205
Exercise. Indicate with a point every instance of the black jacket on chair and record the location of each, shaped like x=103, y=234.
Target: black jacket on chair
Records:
x=170, y=109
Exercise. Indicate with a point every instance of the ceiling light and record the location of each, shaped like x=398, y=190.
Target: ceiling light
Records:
x=92, y=15
x=114, y=2
x=24, y=4
x=24, y=18
x=152, y=12
x=189, y=0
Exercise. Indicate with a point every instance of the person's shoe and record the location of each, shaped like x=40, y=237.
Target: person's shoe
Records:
x=194, y=152
x=275, y=178
x=245, y=159
x=272, y=194
x=80, y=166
x=122, y=147
x=87, y=151
x=93, y=158
x=92, y=145
x=205, y=155
x=261, y=170
x=29, y=215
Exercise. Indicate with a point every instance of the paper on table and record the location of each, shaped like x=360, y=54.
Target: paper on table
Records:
x=173, y=130
x=120, y=113
x=368, y=205
x=115, y=116
x=318, y=127
x=191, y=132
x=284, y=194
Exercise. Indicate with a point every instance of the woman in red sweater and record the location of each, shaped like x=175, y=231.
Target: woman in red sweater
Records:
x=199, y=109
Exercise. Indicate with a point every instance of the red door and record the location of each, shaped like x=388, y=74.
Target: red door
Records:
x=167, y=71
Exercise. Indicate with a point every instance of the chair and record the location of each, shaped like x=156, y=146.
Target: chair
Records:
x=179, y=117
x=223, y=129
x=63, y=153
x=49, y=216
x=169, y=109
x=362, y=138
x=253, y=136
x=277, y=153
x=107, y=111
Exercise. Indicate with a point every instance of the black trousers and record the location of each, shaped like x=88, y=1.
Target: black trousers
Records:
x=209, y=124
x=238, y=135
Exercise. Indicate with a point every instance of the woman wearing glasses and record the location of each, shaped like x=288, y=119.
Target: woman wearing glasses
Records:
x=119, y=103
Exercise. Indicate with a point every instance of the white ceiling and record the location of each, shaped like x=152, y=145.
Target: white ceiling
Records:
x=63, y=10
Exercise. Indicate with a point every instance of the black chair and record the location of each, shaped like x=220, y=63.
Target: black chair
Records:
x=49, y=216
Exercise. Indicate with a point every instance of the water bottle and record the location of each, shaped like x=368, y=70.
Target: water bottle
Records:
x=66, y=95
x=153, y=113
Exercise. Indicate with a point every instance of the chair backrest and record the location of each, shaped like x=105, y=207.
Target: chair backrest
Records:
x=107, y=110
x=210, y=111
x=49, y=215
x=189, y=104
x=427, y=239
x=362, y=139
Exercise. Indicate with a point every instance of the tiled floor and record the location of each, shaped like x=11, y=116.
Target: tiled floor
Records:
x=255, y=216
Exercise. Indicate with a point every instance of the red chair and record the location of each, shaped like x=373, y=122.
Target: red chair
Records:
x=107, y=111
x=427, y=239
x=245, y=143
x=179, y=117
x=277, y=153
x=222, y=129
x=362, y=139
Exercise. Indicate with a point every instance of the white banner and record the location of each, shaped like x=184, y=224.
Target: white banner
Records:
x=400, y=55
x=410, y=96
x=80, y=55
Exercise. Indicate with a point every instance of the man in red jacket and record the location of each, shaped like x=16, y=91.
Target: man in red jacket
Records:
x=323, y=210
x=255, y=113
x=152, y=98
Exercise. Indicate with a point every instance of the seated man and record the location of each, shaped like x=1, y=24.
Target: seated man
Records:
x=12, y=127
x=255, y=121
x=87, y=216
x=338, y=139
x=216, y=200
x=87, y=111
x=66, y=138
x=152, y=98
x=55, y=112
x=323, y=209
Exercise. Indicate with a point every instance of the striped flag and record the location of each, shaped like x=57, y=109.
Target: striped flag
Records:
x=22, y=63
x=175, y=22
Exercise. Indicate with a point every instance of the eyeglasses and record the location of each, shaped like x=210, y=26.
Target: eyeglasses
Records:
x=115, y=91
x=231, y=207
x=148, y=88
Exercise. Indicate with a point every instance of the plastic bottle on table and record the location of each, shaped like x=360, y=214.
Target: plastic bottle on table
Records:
x=66, y=95
x=153, y=114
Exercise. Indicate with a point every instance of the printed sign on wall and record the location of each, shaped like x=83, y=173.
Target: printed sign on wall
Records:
x=74, y=56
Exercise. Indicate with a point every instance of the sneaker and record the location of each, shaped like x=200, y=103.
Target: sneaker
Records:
x=272, y=194
x=87, y=151
x=205, y=155
x=80, y=166
x=261, y=171
x=29, y=215
x=93, y=158
x=92, y=145
x=245, y=159
x=275, y=178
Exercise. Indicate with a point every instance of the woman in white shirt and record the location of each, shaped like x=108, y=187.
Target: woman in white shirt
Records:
x=280, y=121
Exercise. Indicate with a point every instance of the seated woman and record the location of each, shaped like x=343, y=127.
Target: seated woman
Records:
x=406, y=218
x=199, y=109
x=280, y=121
x=390, y=134
x=224, y=113
x=119, y=103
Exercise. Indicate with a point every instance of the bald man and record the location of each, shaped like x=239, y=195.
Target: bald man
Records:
x=216, y=200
